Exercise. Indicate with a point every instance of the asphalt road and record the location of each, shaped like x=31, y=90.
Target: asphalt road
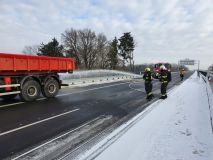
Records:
x=24, y=126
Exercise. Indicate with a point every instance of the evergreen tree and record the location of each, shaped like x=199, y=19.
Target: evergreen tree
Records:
x=126, y=47
x=113, y=54
x=52, y=49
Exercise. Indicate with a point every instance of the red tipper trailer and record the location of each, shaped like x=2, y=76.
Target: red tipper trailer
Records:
x=11, y=64
x=29, y=76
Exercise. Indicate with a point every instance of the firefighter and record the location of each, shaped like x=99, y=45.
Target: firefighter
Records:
x=148, y=83
x=182, y=73
x=165, y=78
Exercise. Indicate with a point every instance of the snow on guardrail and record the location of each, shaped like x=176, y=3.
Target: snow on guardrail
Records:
x=81, y=78
x=95, y=73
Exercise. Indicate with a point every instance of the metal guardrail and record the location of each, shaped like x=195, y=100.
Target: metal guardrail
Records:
x=94, y=73
x=96, y=80
x=210, y=72
x=207, y=76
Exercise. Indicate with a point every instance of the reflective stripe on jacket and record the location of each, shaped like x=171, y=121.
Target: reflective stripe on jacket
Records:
x=164, y=76
x=147, y=77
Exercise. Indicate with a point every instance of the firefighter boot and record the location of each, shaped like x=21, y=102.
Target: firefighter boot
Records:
x=163, y=97
x=150, y=97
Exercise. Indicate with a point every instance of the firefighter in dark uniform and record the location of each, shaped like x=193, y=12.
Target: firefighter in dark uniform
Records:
x=182, y=73
x=165, y=78
x=148, y=83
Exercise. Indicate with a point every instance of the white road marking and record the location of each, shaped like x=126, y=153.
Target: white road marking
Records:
x=56, y=138
x=32, y=124
x=12, y=104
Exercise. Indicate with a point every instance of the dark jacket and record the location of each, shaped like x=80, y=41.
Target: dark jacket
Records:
x=165, y=76
x=147, y=77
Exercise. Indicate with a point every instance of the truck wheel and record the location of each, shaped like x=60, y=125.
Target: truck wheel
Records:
x=8, y=97
x=51, y=88
x=30, y=90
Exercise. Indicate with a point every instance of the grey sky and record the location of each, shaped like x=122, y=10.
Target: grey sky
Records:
x=164, y=30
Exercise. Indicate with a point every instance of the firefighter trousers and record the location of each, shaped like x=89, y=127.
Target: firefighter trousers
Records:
x=148, y=88
x=181, y=77
x=163, y=88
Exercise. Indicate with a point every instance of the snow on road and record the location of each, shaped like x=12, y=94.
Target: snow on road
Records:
x=178, y=128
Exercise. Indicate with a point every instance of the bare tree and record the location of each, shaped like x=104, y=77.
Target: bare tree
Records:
x=72, y=42
x=88, y=48
x=31, y=50
x=88, y=43
x=102, y=51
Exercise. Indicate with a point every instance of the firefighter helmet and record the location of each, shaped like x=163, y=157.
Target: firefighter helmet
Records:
x=147, y=69
x=162, y=67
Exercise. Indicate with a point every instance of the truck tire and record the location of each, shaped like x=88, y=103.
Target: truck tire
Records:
x=30, y=90
x=51, y=88
x=8, y=97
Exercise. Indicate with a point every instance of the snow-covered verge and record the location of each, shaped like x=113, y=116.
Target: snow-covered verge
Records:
x=178, y=128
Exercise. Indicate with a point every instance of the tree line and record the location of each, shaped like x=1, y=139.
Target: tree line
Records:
x=91, y=50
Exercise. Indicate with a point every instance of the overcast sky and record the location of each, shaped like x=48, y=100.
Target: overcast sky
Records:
x=164, y=30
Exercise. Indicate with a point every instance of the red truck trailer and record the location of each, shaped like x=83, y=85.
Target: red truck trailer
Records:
x=29, y=76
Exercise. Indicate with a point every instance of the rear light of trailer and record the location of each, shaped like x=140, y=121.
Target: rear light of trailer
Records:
x=7, y=81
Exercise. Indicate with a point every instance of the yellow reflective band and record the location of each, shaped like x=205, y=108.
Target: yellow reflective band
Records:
x=164, y=82
x=150, y=93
